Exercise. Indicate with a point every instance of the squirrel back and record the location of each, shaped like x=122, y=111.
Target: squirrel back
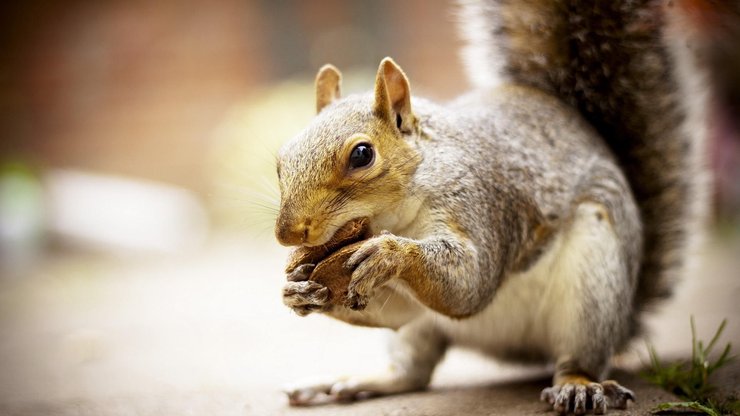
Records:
x=628, y=68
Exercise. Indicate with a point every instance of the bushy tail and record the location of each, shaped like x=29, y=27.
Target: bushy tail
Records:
x=628, y=67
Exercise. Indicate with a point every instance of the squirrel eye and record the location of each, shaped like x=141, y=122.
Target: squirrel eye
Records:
x=361, y=156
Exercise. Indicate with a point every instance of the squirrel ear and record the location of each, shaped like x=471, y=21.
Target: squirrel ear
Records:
x=328, y=82
x=393, y=96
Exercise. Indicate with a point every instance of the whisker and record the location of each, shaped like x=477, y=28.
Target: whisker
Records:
x=392, y=292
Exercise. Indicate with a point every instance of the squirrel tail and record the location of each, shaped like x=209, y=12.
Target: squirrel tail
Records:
x=628, y=67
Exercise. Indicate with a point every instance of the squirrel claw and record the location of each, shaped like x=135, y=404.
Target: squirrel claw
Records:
x=301, y=273
x=616, y=394
x=577, y=397
x=305, y=297
x=356, y=302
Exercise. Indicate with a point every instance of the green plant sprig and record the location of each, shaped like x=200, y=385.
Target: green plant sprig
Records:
x=689, y=379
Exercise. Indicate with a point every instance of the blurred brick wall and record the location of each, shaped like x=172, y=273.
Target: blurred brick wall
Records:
x=135, y=87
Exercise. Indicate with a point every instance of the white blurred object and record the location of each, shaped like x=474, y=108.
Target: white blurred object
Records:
x=116, y=213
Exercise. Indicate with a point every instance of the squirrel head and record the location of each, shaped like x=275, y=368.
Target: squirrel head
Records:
x=355, y=159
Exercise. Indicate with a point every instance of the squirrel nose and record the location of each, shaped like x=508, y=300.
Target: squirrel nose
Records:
x=292, y=234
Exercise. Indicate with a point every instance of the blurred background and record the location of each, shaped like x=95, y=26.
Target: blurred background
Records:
x=137, y=192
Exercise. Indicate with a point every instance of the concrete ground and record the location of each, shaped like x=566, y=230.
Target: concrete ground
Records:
x=206, y=334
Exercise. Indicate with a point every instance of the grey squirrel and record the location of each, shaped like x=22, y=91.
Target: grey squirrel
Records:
x=534, y=218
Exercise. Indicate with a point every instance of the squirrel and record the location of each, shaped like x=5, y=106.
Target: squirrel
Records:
x=534, y=218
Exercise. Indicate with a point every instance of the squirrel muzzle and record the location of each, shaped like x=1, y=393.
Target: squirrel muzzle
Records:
x=292, y=232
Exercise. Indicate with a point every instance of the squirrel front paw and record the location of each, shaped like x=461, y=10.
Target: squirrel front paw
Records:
x=305, y=296
x=377, y=261
x=577, y=394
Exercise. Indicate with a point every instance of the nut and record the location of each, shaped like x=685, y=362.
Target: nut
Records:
x=325, y=264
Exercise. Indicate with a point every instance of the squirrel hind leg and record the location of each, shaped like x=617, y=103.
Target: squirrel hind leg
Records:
x=350, y=388
x=592, y=323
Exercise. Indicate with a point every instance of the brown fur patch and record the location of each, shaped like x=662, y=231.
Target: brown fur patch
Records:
x=572, y=379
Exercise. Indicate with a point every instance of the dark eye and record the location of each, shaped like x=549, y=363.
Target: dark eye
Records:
x=361, y=156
